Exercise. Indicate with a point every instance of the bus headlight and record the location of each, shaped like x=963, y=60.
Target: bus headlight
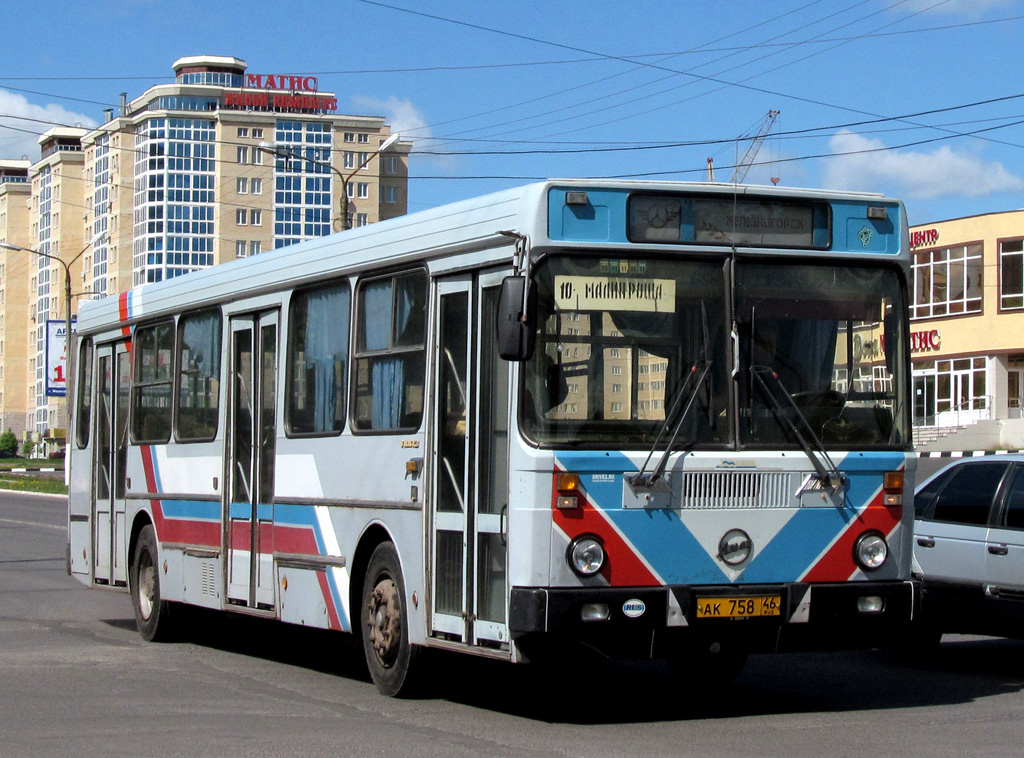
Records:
x=586, y=555
x=870, y=551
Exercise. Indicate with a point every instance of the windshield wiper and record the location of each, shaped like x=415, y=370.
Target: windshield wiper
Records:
x=687, y=393
x=824, y=468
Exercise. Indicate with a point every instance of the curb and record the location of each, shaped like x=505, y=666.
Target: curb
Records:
x=965, y=453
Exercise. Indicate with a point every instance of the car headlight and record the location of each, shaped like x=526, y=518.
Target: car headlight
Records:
x=586, y=555
x=870, y=551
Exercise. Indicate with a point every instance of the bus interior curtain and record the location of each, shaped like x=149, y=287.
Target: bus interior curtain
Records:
x=326, y=348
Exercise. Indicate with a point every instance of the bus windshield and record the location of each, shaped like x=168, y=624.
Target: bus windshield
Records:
x=774, y=351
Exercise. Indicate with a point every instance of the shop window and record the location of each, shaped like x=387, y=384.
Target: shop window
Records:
x=1011, y=274
x=947, y=282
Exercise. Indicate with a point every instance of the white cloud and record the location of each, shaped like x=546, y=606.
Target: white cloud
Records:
x=21, y=123
x=971, y=8
x=865, y=164
x=402, y=116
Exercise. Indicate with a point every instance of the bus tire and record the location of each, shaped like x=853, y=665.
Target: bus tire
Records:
x=385, y=624
x=152, y=614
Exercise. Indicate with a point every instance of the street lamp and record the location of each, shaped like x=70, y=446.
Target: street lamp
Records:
x=285, y=151
x=66, y=265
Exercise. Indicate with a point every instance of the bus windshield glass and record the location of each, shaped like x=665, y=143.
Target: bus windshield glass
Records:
x=755, y=358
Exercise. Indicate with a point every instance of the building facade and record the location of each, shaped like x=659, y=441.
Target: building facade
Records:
x=967, y=332
x=15, y=198
x=217, y=165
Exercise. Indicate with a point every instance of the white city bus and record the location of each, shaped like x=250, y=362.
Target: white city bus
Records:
x=648, y=419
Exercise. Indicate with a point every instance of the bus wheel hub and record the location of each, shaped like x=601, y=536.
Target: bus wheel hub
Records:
x=385, y=621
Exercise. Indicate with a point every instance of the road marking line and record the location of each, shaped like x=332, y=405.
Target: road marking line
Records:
x=32, y=523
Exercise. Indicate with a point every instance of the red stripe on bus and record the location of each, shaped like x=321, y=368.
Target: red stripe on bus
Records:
x=623, y=567
x=837, y=564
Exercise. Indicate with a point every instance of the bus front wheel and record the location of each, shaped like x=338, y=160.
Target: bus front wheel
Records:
x=152, y=614
x=389, y=654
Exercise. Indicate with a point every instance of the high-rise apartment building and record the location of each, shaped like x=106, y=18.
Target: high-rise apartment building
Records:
x=15, y=197
x=218, y=165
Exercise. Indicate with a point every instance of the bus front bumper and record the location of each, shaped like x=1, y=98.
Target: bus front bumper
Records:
x=762, y=618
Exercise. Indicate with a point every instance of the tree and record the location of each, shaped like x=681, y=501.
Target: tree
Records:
x=8, y=445
x=28, y=448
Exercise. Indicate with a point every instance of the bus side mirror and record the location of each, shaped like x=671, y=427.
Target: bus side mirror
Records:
x=516, y=327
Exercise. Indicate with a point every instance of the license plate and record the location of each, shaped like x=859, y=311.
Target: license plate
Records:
x=738, y=607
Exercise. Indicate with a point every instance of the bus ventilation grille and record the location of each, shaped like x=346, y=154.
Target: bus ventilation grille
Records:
x=737, y=489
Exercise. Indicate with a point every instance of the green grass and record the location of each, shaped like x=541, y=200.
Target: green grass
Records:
x=32, y=481
x=27, y=483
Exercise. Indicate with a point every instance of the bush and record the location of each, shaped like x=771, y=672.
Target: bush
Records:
x=8, y=445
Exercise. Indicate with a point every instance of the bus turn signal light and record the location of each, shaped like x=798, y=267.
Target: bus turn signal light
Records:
x=568, y=487
x=892, y=488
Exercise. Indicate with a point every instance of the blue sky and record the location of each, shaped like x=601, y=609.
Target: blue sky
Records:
x=918, y=99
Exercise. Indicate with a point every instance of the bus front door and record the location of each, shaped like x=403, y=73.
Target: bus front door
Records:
x=251, y=439
x=469, y=466
x=111, y=450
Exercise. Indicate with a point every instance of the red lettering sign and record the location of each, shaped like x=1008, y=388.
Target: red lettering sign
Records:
x=925, y=341
x=924, y=237
x=287, y=82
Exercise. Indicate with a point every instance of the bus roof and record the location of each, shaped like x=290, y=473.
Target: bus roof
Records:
x=469, y=225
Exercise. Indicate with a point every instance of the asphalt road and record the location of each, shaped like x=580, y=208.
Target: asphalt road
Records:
x=75, y=679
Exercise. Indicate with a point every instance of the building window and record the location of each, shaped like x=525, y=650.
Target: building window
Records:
x=242, y=154
x=256, y=217
x=242, y=186
x=947, y=281
x=255, y=247
x=256, y=186
x=391, y=195
x=350, y=159
x=364, y=138
x=390, y=164
x=1011, y=274
x=243, y=131
x=362, y=219
x=364, y=190
x=257, y=134
x=350, y=137
x=240, y=247
x=241, y=217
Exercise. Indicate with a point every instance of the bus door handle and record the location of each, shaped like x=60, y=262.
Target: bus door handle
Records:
x=998, y=549
x=504, y=525
x=926, y=542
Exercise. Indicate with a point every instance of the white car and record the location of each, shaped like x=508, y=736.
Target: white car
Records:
x=969, y=546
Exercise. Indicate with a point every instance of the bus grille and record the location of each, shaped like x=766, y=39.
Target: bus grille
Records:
x=736, y=489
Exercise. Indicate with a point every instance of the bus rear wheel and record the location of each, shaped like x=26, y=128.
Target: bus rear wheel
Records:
x=385, y=625
x=152, y=614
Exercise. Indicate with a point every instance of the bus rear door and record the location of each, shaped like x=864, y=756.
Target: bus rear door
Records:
x=110, y=466
x=252, y=439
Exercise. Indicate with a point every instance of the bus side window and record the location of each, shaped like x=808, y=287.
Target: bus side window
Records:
x=151, y=384
x=83, y=414
x=318, y=360
x=389, y=360
x=199, y=379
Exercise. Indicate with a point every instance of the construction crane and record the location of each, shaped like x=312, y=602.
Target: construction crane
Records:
x=755, y=144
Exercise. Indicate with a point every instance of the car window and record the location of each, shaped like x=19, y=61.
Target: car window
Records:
x=925, y=496
x=1013, y=514
x=967, y=497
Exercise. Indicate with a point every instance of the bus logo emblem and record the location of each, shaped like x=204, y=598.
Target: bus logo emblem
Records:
x=634, y=608
x=735, y=547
